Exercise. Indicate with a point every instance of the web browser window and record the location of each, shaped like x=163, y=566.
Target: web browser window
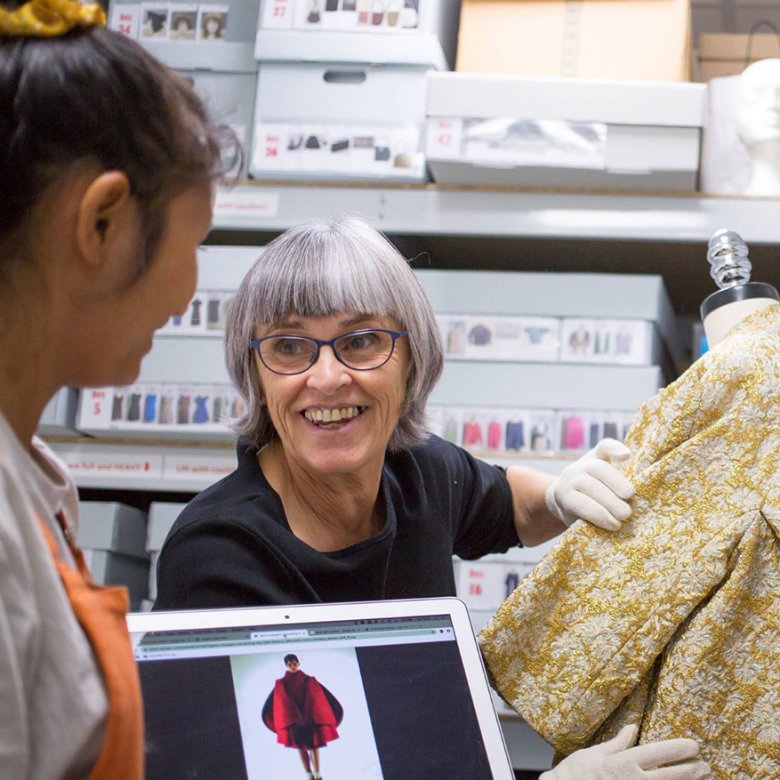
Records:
x=385, y=697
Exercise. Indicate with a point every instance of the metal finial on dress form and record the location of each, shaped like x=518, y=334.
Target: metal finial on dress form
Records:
x=727, y=254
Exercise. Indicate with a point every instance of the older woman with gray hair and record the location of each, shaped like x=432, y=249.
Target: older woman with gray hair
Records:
x=340, y=493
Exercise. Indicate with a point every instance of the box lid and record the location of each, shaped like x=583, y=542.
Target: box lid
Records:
x=598, y=100
x=423, y=50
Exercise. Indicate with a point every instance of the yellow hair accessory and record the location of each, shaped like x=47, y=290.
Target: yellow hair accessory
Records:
x=49, y=18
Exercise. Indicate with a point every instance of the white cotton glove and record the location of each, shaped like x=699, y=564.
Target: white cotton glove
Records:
x=592, y=489
x=670, y=759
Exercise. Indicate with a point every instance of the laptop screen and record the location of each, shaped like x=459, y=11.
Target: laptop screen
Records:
x=354, y=695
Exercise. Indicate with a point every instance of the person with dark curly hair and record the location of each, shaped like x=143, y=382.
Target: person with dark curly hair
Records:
x=107, y=166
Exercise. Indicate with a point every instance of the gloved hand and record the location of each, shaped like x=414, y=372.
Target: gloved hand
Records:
x=592, y=489
x=617, y=760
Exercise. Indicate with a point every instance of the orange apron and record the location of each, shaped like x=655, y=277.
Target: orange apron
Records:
x=101, y=613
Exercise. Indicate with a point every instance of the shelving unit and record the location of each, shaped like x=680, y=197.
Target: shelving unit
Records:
x=447, y=227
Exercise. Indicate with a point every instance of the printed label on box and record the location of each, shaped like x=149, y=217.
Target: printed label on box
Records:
x=198, y=468
x=243, y=203
x=278, y=15
x=383, y=150
x=488, y=585
x=117, y=467
x=125, y=19
x=365, y=16
x=95, y=407
x=444, y=138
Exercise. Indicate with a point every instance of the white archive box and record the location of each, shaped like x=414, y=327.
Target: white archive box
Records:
x=556, y=132
x=596, y=297
x=209, y=44
x=164, y=410
x=359, y=122
x=408, y=32
x=108, y=525
x=221, y=269
x=229, y=97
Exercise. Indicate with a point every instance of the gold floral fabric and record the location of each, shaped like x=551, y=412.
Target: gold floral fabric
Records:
x=673, y=622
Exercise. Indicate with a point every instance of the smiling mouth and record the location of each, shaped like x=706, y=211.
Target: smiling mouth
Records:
x=327, y=417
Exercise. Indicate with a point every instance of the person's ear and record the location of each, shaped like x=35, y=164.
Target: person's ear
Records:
x=105, y=211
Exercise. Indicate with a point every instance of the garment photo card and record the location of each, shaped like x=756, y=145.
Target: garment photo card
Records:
x=176, y=22
x=526, y=339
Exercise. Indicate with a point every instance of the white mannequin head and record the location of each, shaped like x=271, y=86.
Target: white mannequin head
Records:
x=758, y=124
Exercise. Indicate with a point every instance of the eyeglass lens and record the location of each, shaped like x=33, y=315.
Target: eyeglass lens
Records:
x=359, y=350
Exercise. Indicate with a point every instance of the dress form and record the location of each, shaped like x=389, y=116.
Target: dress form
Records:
x=758, y=124
x=737, y=297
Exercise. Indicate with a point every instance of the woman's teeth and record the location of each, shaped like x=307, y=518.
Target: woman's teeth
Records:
x=333, y=415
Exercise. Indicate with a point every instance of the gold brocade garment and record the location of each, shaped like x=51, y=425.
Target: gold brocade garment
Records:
x=673, y=622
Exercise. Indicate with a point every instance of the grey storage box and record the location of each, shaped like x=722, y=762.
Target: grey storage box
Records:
x=113, y=536
x=59, y=415
x=108, y=568
x=114, y=527
x=161, y=517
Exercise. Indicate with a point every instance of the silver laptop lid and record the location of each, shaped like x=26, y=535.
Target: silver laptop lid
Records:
x=392, y=690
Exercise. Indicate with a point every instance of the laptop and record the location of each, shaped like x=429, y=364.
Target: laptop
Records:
x=399, y=693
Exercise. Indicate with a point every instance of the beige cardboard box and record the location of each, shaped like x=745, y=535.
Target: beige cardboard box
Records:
x=625, y=39
x=726, y=54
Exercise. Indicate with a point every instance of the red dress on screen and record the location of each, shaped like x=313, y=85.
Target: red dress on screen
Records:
x=303, y=713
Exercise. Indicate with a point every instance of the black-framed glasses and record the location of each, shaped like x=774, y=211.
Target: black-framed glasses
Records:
x=361, y=350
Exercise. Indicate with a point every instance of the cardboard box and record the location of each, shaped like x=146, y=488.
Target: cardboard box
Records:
x=568, y=133
x=333, y=121
x=727, y=54
x=629, y=39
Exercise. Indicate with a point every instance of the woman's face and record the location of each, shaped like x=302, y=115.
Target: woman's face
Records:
x=123, y=320
x=368, y=402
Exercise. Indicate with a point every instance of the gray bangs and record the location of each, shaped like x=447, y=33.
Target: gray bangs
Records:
x=318, y=279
